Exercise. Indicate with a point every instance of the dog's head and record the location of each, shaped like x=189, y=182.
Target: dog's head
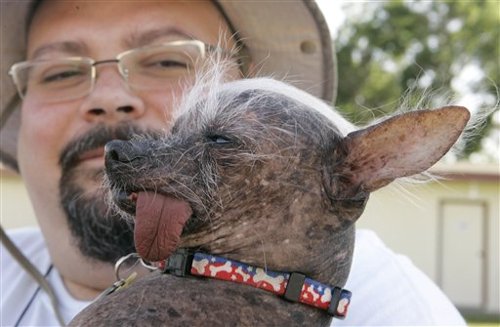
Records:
x=259, y=171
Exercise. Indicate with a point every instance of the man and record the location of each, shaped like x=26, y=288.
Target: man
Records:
x=95, y=71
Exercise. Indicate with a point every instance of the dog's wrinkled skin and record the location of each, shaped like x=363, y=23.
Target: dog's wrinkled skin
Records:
x=269, y=181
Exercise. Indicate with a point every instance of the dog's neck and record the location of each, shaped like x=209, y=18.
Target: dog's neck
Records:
x=292, y=286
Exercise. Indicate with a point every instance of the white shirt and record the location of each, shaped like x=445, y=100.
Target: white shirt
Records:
x=388, y=290
x=21, y=302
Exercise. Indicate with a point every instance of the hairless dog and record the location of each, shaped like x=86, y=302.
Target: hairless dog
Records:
x=252, y=196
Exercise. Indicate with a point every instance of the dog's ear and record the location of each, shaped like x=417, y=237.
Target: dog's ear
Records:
x=400, y=146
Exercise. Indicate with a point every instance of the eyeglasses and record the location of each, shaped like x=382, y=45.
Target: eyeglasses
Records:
x=155, y=67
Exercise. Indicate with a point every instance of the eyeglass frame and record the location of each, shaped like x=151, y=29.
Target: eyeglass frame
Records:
x=203, y=47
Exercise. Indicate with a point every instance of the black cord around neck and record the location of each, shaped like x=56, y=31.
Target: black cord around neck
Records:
x=26, y=308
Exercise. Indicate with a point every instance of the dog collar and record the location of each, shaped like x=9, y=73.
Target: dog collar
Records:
x=292, y=286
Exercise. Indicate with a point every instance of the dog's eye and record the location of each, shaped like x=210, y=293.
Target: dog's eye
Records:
x=219, y=139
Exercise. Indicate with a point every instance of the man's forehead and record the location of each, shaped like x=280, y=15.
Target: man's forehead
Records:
x=63, y=26
x=139, y=38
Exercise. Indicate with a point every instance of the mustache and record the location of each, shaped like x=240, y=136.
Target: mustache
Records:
x=96, y=138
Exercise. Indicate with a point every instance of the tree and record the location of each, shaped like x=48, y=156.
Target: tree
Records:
x=386, y=48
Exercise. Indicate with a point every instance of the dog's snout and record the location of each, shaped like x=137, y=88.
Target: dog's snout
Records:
x=111, y=152
x=121, y=151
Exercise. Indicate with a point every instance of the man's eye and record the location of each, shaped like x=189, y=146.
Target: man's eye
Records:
x=60, y=76
x=163, y=64
x=170, y=64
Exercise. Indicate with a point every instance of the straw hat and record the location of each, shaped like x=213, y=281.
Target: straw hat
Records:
x=287, y=39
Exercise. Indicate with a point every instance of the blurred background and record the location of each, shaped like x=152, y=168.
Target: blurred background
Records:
x=401, y=55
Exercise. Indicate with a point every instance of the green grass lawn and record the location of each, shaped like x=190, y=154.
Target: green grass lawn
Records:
x=483, y=322
x=478, y=320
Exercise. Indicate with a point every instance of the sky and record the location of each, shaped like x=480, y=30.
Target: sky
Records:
x=334, y=15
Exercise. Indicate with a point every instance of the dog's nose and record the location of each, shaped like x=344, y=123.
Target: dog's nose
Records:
x=121, y=151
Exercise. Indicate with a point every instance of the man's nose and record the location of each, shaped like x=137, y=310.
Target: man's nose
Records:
x=111, y=98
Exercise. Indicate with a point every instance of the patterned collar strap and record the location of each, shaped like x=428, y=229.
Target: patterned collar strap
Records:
x=293, y=286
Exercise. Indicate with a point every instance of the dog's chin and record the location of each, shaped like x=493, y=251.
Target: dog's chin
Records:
x=193, y=225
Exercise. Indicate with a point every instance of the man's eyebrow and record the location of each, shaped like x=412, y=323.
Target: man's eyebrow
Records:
x=135, y=40
x=141, y=39
x=68, y=47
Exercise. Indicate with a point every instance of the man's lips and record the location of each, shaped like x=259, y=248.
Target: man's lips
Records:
x=92, y=154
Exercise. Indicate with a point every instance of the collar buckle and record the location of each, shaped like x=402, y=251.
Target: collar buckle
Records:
x=294, y=287
x=179, y=263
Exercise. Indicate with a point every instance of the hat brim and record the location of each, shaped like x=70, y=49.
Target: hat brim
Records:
x=287, y=40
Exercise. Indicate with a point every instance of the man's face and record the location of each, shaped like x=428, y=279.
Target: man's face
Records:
x=61, y=142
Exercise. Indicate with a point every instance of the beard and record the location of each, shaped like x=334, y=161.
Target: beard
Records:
x=99, y=232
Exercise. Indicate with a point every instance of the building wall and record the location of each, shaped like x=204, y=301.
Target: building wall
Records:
x=408, y=218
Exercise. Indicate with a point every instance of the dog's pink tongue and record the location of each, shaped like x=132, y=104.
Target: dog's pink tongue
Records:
x=158, y=224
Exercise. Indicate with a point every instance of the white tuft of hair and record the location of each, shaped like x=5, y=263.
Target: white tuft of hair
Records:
x=218, y=75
